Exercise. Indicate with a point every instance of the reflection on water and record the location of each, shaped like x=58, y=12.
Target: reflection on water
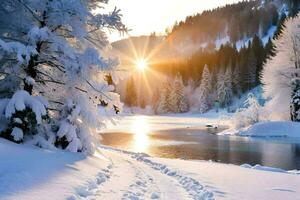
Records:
x=140, y=129
x=203, y=144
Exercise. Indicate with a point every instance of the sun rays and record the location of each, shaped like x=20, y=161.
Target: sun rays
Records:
x=137, y=59
x=141, y=64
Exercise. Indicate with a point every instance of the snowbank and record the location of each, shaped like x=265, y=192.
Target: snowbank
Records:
x=273, y=129
x=234, y=182
x=270, y=169
x=31, y=173
x=28, y=172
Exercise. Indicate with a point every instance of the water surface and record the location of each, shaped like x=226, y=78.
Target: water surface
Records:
x=203, y=144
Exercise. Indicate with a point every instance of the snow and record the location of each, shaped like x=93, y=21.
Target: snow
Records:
x=279, y=71
x=242, y=43
x=235, y=182
x=17, y=133
x=270, y=169
x=31, y=173
x=115, y=174
x=30, y=81
x=269, y=34
x=22, y=99
x=222, y=41
x=273, y=129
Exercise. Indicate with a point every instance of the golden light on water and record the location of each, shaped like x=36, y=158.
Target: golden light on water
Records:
x=140, y=129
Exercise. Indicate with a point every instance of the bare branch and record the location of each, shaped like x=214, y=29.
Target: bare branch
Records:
x=50, y=81
x=98, y=90
x=29, y=9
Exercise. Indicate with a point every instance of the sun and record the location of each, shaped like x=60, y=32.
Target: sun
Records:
x=141, y=64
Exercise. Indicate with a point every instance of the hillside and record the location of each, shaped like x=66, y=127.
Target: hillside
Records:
x=218, y=38
x=211, y=29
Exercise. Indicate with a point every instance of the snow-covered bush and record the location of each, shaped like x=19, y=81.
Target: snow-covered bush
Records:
x=249, y=115
x=24, y=113
x=171, y=98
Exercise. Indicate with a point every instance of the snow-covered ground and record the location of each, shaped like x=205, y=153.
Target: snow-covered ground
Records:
x=28, y=172
x=32, y=173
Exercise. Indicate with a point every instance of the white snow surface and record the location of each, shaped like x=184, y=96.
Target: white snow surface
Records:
x=273, y=129
x=32, y=173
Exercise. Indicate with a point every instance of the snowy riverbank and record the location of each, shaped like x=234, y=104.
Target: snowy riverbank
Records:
x=32, y=173
x=269, y=129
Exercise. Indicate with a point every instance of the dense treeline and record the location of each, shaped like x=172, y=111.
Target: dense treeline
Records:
x=248, y=60
x=230, y=21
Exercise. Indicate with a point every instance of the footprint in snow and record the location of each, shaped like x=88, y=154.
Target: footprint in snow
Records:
x=92, y=186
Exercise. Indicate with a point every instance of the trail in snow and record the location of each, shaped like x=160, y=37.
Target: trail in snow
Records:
x=132, y=177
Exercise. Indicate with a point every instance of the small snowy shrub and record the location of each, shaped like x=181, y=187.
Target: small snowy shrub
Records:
x=24, y=113
x=249, y=115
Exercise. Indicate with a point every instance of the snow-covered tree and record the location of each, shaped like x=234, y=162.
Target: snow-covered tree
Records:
x=250, y=75
x=250, y=114
x=164, y=98
x=205, y=90
x=130, y=93
x=224, y=87
x=190, y=92
x=53, y=48
x=228, y=86
x=280, y=70
x=221, y=87
x=236, y=84
x=177, y=100
x=155, y=99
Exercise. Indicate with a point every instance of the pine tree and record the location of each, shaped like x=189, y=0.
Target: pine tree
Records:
x=280, y=26
x=236, y=83
x=178, y=102
x=221, y=88
x=142, y=101
x=295, y=100
x=250, y=75
x=155, y=100
x=130, y=95
x=258, y=50
x=164, y=98
x=205, y=90
x=269, y=50
x=280, y=71
x=228, y=86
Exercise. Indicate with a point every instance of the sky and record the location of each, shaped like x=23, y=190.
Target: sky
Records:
x=146, y=16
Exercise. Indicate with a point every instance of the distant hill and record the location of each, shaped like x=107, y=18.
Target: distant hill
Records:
x=234, y=38
x=236, y=24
